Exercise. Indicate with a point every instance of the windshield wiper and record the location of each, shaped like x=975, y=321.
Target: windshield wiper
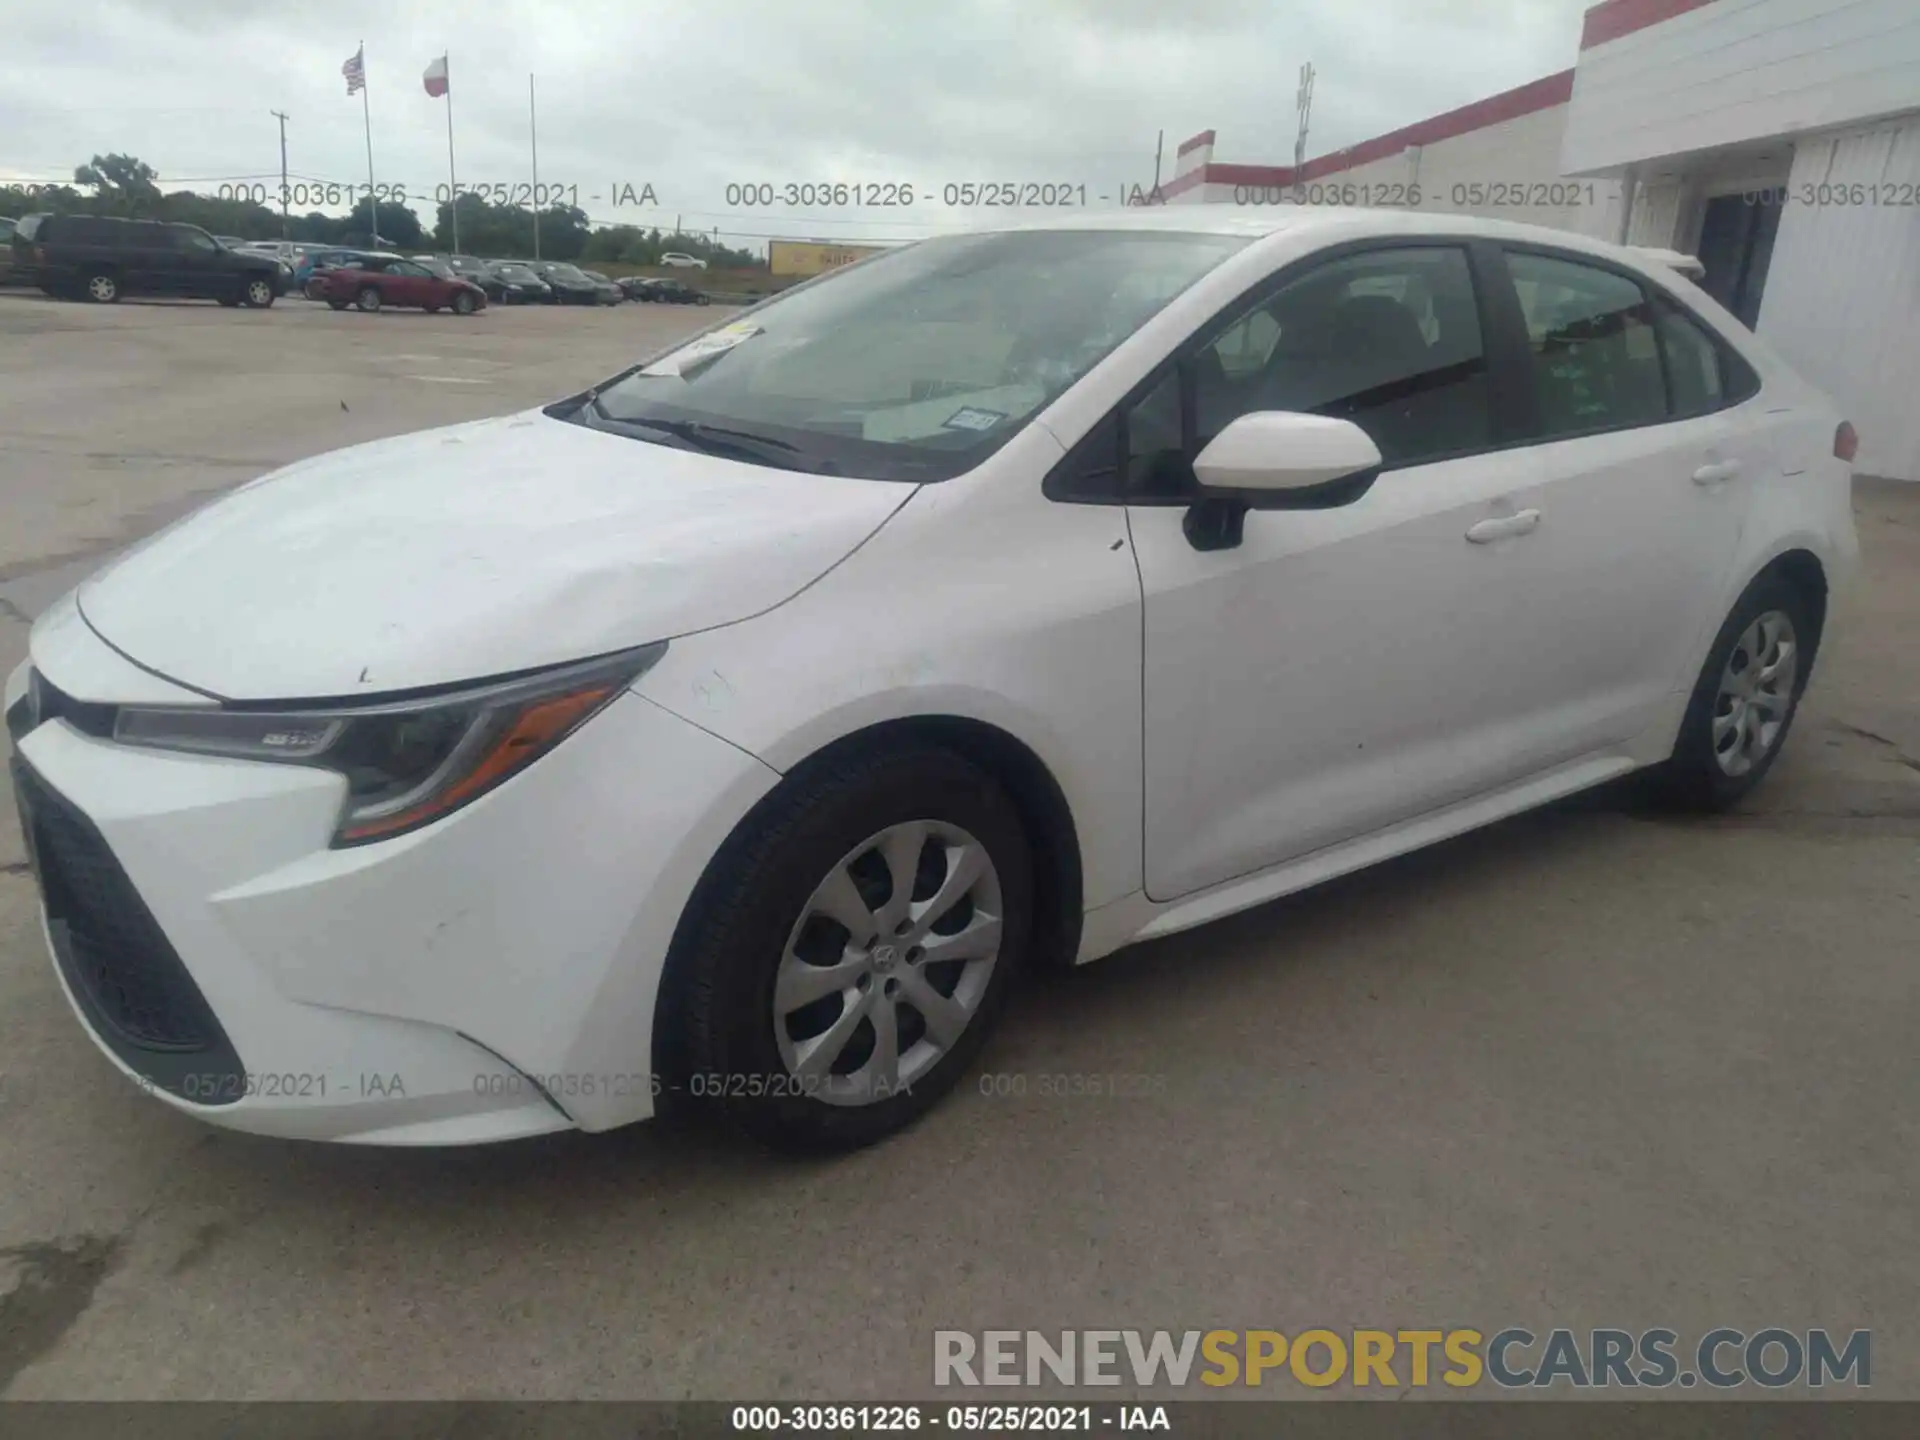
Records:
x=715, y=439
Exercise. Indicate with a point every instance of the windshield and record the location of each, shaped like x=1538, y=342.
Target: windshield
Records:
x=563, y=272
x=514, y=272
x=917, y=364
x=437, y=267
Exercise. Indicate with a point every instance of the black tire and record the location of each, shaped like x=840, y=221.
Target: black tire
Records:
x=102, y=287
x=368, y=300
x=257, y=294
x=1694, y=779
x=463, y=303
x=716, y=1038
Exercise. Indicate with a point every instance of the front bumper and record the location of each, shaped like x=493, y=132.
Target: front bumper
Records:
x=488, y=977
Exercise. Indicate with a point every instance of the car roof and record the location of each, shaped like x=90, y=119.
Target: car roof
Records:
x=1309, y=226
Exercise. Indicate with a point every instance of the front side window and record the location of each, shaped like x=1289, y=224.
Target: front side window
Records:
x=195, y=241
x=918, y=363
x=1596, y=357
x=1389, y=339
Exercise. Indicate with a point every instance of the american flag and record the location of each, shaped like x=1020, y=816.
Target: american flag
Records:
x=356, y=71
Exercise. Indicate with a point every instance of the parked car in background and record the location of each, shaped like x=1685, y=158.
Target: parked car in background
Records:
x=674, y=260
x=326, y=258
x=438, y=265
x=509, y=282
x=668, y=292
x=8, y=274
x=610, y=293
x=569, y=283
x=102, y=258
x=378, y=281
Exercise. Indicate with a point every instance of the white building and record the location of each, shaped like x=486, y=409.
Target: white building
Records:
x=1778, y=140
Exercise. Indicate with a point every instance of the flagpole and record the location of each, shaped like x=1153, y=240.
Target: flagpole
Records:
x=366, y=111
x=533, y=137
x=453, y=183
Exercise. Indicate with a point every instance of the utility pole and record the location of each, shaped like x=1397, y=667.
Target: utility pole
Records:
x=533, y=141
x=1304, y=101
x=1159, y=145
x=281, y=116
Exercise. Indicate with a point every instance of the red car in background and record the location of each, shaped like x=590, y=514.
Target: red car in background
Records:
x=377, y=281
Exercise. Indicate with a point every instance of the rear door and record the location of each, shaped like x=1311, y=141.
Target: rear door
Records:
x=1646, y=475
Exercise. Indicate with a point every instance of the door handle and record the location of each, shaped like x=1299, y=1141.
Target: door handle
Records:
x=1523, y=522
x=1716, y=472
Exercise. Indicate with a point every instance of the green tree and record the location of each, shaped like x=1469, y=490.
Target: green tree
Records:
x=399, y=226
x=122, y=184
x=506, y=231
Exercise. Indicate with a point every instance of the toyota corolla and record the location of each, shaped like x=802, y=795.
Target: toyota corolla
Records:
x=738, y=727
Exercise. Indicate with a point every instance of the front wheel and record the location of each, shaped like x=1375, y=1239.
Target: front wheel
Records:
x=257, y=294
x=847, y=955
x=463, y=304
x=368, y=300
x=1744, y=700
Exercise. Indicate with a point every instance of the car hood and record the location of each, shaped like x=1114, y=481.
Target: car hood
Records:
x=468, y=552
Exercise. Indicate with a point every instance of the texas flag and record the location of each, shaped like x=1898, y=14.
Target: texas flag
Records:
x=436, y=77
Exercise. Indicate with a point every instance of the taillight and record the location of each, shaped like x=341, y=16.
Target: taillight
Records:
x=1846, y=443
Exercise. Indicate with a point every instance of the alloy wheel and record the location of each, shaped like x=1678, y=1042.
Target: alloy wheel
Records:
x=888, y=963
x=103, y=288
x=1756, y=695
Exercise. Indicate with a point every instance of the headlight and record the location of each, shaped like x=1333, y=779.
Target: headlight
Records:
x=406, y=762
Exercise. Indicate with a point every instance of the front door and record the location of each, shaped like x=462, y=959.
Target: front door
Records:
x=1339, y=670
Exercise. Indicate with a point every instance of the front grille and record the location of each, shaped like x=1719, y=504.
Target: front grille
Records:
x=129, y=982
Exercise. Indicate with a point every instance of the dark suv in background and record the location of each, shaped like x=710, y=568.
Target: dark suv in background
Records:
x=101, y=258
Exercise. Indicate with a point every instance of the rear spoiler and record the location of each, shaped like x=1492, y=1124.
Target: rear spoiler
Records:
x=1687, y=265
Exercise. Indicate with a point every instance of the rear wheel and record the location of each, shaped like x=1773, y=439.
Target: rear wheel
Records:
x=368, y=299
x=102, y=287
x=1745, y=699
x=850, y=950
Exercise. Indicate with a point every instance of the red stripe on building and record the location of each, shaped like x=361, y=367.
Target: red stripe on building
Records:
x=1205, y=137
x=1534, y=96
x=1614, y=18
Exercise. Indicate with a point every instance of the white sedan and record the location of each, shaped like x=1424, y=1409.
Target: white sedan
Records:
x=736, y=728
x=674, y=260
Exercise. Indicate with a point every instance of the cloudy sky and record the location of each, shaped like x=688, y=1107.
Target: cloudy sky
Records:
x=691, y=95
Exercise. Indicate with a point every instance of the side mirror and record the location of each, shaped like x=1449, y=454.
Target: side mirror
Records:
x=1277, y=460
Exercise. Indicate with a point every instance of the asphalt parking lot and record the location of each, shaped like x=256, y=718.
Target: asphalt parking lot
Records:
x=1588, y=1068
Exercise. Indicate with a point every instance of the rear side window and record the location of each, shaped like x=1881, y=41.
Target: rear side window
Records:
x=1693, y=362
x=1706, y=374
x=1596, y=355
